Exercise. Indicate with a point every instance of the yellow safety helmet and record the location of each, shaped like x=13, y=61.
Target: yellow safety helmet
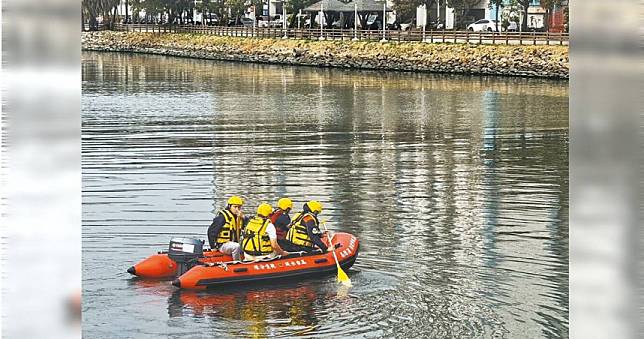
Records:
x=315, y=206
x=235, y=200
x=285, y=203
x=264, y=210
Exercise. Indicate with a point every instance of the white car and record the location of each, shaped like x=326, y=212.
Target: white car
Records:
x=484, y=25
x=405, y=26
x=276, y=21
x=273, y=24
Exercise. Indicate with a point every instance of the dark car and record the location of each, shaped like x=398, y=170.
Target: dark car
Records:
x=247, y=22
x=537, y=29
x=212, y=20
x=436, y=25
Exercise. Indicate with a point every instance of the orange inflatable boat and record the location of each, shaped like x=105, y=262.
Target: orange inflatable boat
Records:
x=296, y=265
x=196, y=268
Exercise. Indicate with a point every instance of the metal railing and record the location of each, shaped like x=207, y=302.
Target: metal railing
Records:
x=439, y=36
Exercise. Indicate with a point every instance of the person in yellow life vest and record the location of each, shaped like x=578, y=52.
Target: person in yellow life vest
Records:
x=224, y=232
x=260, y=238
x=304, y=234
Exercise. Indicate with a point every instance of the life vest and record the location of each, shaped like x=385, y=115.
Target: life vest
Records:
x=297, y=234
x=230, y=229
x=256, y=240
x=297, y=217
x=276, y=214
x=281, y=232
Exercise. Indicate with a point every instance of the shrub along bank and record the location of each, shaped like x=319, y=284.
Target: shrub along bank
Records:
x=533, y=61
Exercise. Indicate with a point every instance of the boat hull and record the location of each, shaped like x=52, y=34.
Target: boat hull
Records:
x=159, y=266
x=293, y=266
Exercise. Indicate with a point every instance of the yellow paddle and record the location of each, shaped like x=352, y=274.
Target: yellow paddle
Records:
x=342, y=277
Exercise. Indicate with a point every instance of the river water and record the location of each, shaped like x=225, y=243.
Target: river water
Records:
x=456, y=186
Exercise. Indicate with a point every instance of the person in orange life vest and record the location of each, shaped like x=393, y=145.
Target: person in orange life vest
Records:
x=224, y=232
x=260, y=238
x=304, y=234
x=280, y=218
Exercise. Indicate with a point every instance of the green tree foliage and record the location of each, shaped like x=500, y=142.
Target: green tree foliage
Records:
x=406, y=9
x=211, y=9
x=259, y=6
x=294, y=6
x=511, y=12
x=175, y=11
x=461, y=9
x=92, y=9
x=237, y=8
x=180, y=11
x=497, y=4
x=524, y=4
x=152, y=8
x=220, y=9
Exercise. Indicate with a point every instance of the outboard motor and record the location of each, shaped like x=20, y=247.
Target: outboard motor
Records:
x=185, y=252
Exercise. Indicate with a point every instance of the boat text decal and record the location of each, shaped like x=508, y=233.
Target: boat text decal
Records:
x=269, y=266
x=349, y=250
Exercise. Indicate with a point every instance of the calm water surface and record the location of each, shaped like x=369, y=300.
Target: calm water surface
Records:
x=456, y=186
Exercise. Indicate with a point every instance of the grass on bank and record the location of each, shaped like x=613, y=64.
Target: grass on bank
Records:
x=443, y=52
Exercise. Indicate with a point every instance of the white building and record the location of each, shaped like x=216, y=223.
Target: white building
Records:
x=480, y=11
x=483, y=10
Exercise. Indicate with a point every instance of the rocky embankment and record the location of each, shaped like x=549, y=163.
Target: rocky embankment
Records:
x=531, y=61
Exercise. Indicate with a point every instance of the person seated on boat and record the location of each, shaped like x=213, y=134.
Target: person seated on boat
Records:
x=260, y=238
x=304, y=234
x=224, y=231
x=280, y=217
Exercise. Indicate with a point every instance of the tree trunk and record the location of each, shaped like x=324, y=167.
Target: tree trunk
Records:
x=458, y=19
x=328, y=20
x=363, y=21
x=428, y=3
x=82, y=21
x=496, y=17
x=92, y=22
x=524, y=21
x=548, y=18
x=113, y=17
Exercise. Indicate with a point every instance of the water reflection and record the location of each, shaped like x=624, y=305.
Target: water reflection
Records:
x=456, y=186
x=261, y=311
